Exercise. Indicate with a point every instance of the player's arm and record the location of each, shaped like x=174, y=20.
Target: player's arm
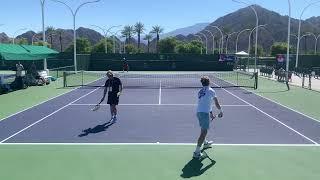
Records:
x=216, y=102
x=120, y=89
x=104, y=94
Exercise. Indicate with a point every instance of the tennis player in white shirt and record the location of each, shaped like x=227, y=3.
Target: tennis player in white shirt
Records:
x=206, y=97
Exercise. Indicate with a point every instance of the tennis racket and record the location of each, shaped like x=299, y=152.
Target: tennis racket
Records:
x=96, y=107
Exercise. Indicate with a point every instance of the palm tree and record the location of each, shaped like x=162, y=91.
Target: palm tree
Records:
x=148, y=38
x=50, y=32
x=157, y=30
x=139, y=29
x=60, y=39
x=128, y=32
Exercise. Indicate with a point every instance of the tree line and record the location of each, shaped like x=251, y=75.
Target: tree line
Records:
x=168, y=45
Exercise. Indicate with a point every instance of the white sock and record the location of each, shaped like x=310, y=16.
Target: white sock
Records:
x=198, y=149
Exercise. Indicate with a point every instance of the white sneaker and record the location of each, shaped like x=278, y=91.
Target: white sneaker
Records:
x=207, y=144
x=113, y=120
x=197, y=155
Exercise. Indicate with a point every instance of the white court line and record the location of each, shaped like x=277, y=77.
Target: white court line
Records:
x=160, y=93
x=309, y=139
x=318, y=121
x=44, y=102
x=157, y=105
x=47, y=116
x=277, y=103
x=158, y=144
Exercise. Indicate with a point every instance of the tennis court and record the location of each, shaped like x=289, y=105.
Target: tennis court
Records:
x=161, y=112
x=155, y=113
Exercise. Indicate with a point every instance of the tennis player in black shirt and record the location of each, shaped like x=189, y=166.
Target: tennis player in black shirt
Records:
x=113, y=87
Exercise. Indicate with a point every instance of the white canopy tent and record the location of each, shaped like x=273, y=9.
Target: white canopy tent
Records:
x=242, y=53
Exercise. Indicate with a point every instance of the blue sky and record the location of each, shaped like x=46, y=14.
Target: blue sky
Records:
x=170, y=14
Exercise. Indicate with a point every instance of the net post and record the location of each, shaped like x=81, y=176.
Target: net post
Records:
x=82, y=83
x=237, y=78
x=256, y=80
x=82, y=78
x=303, y=79
x=309, y=85
x=64, y=79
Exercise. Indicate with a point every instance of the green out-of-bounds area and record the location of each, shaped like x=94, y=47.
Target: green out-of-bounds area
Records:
x=157, y=162
x=16, y=101
x=300, y=99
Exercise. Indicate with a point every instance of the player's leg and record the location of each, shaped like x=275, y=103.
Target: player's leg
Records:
x=114, y=103
x=110, y=103
x=204, y=124
x=111, y=112
x=197, y=152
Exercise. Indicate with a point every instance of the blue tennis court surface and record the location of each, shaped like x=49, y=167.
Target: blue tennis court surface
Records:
x=158, y=115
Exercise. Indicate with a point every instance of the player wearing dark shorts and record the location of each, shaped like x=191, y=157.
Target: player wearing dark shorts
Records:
x=113, y=87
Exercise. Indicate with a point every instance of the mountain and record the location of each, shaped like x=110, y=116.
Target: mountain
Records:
x=27, y=35
x=4, y=38
x=315, y=21
x=276, y=29
x=186, y=31
x=66, y=37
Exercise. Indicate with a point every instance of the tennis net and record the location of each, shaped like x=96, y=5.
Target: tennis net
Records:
x=165, y=79
x=58, y=72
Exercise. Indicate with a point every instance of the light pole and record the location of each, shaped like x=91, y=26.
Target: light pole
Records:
x=212, y=40
x=108, y=31
x=288, y=44
x=238, y=37
x=216, y=27
x=1, y=25
x=33, y=37
x=257, y=29
x=229, y=35
x=74, y=14
x=308, y=34
x=317, y=43
x=206, y=41
x=104, y=35
x=42, y=2
x=14, y=35
x=293, y=35
x=114, y=41
x=200, y=40
x=255, y=60
x=315, y=39
x=299, y=28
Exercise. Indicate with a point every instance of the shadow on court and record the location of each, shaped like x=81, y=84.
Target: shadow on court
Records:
x=95, y=130
x=195, y=168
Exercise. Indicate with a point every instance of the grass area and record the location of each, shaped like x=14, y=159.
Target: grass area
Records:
x=155, y=162
x=19, y=100
x=302, y=100
x=7, y=72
